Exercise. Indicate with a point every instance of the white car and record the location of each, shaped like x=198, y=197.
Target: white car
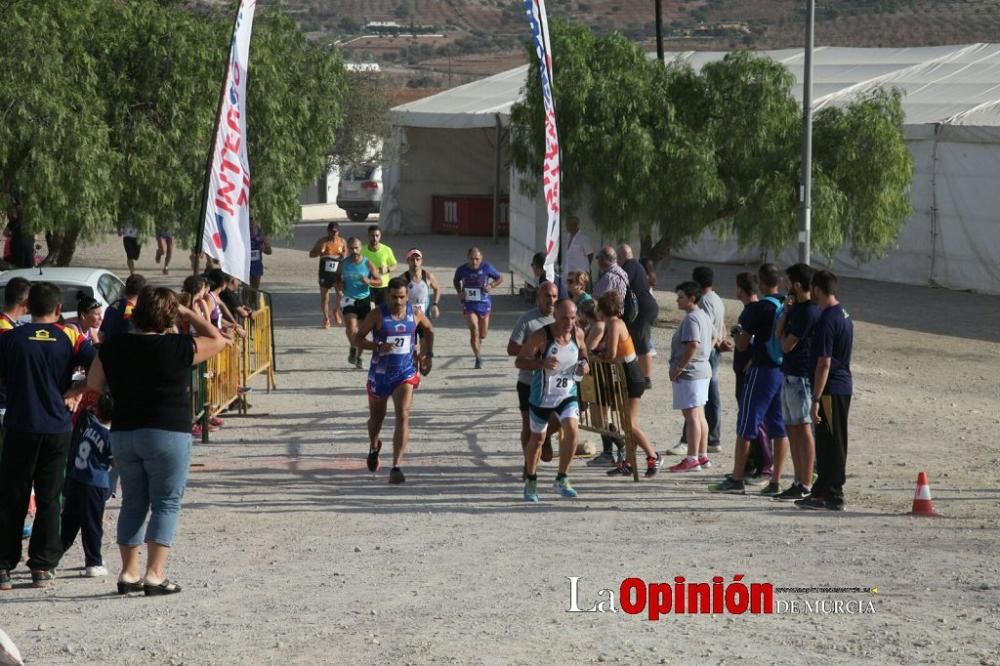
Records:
x=359, y=192
x=101, y=284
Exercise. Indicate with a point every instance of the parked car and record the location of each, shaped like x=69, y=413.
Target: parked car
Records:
x=359, y=192
x=102, y=284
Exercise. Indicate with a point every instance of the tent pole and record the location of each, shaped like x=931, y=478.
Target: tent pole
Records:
x=805, y=187
x=496, y=181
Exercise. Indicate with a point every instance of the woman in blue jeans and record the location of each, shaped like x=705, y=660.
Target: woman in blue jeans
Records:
x=148, y=373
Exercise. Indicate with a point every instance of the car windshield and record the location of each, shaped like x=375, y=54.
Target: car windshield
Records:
x=364, y=172
x=70, y=294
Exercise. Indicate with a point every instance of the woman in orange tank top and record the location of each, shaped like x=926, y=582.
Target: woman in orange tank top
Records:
x=617, y=346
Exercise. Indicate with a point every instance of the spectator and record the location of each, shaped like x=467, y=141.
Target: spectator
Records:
x=230, y=296
x=641, y=325
x=577, y=286
x=21, y=243
x=118, y=317
x=196, y=289
x=260, y=245
x=795, y=330
x=690, y=374
x=149, y=377
x=221, y=316
x=832, y=387
x=36, y=362
x=88, y=485
x=612, y=276
x=15, y=303
x=88, y=318
x=579, y=251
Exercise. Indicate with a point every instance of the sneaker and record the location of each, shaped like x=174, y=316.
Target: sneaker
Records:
x=759, y=479
x=339, y=318
x=648, y=384
x=687, y=465
x=479, y=363
x=814, y=503
x=547, y=451
x=352, y=356
x=5, y=581
x=158, y=256
x=531, y=490
x=834, y=505
x=681, y=449
x=563, y=487
x=603, y=459
x=95, y=572
x=216, y=421
x=714, y=448
x=326, y=322
x=357, y=362
x=43, y=577
x=396, y=476
x=793, y=492
x=705, y=462
x=653, y=465
x=373, y=463
x=772, y=489
x=729, y=485
x=622, y=468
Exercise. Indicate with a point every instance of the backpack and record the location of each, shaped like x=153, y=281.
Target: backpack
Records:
x=773, y=344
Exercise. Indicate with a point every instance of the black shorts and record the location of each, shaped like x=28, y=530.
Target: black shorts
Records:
x=640, y=330
x=132, y=247
x=523, y=391
x=635, y=383
x=379, y=295
x=360, y=307
x=327, y=281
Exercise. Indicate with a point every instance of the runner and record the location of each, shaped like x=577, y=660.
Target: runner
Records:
x=422, y=288
x=330, y=250
x=356, y=275
x=473, y=281
x=557, y=356
x=393, y=326
x=164, y=248
x=260, y=245
x=382, y=259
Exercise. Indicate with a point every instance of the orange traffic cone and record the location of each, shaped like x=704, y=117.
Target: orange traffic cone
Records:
x=923, y=505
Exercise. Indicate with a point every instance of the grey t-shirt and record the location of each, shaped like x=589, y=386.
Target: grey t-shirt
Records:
x=696, y=325
x=716, y=310
x=530, y=321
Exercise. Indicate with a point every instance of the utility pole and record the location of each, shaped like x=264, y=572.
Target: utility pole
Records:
x=659, y=30
x=805, y=187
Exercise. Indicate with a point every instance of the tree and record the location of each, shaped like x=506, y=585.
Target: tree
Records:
x=110, y=122
x=670, y=152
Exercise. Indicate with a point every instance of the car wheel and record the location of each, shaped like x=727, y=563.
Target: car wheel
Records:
x=357, y=215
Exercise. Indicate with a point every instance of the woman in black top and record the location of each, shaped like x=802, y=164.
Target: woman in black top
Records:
x=149, y=376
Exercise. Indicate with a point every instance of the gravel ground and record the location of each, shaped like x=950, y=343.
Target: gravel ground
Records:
x=290, y=552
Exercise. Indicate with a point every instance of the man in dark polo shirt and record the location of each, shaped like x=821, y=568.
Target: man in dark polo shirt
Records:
x=832, y=386
x=36, y=362
x=118, y=315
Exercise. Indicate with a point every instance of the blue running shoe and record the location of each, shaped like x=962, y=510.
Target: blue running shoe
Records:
x=563, y=487
x=531, y=490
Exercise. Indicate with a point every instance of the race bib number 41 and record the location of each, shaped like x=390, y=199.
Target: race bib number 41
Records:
x=473, y=294
x=330, y=265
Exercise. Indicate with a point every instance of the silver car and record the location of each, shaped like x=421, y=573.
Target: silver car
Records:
x=359, y=192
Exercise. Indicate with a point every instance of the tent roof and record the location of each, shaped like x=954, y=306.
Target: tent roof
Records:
x=955, y=85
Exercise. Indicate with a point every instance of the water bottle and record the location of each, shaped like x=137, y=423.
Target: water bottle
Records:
x=578, y=376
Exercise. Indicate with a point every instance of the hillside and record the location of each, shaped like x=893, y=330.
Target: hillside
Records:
x=426, y=45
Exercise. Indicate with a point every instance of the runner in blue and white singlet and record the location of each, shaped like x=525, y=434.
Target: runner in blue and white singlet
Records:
x=557, y=357
x=473, y=282
x=394, y=370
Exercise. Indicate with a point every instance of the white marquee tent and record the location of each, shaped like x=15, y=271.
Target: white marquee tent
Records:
x=952, y=105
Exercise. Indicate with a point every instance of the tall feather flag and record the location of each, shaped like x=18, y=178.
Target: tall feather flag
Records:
x=225, y=217
x=550, y=165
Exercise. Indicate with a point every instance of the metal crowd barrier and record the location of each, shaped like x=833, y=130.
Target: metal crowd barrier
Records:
x=223, y=380
x=605, y=390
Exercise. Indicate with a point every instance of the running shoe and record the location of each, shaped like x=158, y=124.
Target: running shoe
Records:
x=602, y=459
x=793, y=492
x=687, y=465
x=622, y=468
x=681, y=449
x=373, y=463
x=43, y=577
x=814, y=503
x=352, y=356
x=337, y=317
x=95, y=572
x=772, y=489
x=653, y=465
x=834, y=505
x=531, y=490
x=760, y=479
x=396, y=476
x=479, y=363
x=5, y=582
x=705, y=462
x=563, y=487
x=714, y=447
x=326, y=322
x=729, y=485
x=216, y=421
x=357, y=362
x=158, y=256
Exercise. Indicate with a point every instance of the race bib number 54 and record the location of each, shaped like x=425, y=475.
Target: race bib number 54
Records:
x=473, y=294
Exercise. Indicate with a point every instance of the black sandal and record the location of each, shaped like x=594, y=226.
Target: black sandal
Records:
x=166, y=587
x=124, y=587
